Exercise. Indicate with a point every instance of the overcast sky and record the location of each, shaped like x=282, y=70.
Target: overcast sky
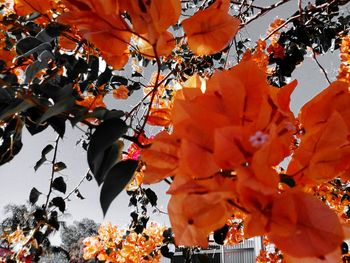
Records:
x=18, y=176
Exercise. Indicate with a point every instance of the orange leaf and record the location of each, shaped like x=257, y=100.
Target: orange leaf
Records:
x=25, y=7
x=209, y=31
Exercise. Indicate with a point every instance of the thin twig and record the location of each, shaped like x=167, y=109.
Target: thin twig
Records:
x=264, y=11
x=75, y=188
x=320, y=66
x=316, y=9
x=154, y=90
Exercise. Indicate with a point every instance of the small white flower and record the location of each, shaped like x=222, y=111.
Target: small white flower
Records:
x=258, y=139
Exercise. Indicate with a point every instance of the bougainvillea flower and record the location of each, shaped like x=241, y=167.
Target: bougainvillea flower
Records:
x=237, y=131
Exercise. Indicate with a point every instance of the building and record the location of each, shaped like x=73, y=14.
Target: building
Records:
x=245, y=252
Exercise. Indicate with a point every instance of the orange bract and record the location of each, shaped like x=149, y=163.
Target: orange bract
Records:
x=159, y=117
x=315, y=230
x=211, y=30
x=25, y=7
x=121, y=92
x=152, y=17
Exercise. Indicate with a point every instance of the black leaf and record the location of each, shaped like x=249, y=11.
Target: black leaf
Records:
x=104, y=136
x=166, y=252
x=34, y=195
x=220, y=234
x=39, y=163
x=48, y=148
x=288, y=180
x=78, y=194
x=59, y=202
x=152, y=197
x=117, y=178
x=27, y=44
x=59, y=185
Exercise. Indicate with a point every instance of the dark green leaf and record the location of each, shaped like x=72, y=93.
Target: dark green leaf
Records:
x=116, y=180
x=38, y=49
x=59, y=185
x=38, y=65
x=59, y=202
x=104, y=77
x=58, y=124
x=89, y=176
x=34, y=195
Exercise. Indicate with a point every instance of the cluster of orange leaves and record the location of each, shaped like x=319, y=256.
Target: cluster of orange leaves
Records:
x=224, y=155
x=162, y=103
x=116, y=245
x=269, y=253
x=335, y=195
x=133, y=153
x=235, y=234
x=344, y=70
x=276, y=49
x=103, y=24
